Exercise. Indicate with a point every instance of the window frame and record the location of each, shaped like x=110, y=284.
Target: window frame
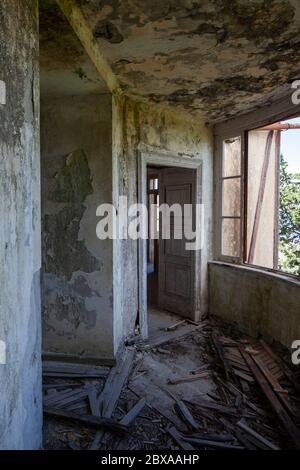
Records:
x=219, y=199
x=240, y=127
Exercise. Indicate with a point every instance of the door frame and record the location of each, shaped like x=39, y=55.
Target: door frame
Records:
x=148, y=156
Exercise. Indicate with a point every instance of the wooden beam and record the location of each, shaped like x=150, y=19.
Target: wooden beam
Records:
x=110, y=395
x=90, y=421
x=133, y=413
x=257, y=436
x=92, y=46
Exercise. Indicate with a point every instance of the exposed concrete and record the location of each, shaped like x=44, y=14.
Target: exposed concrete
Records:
x=164, y=131
x=215, y=58
x=77, y=266
x=20, y=378
x=261, y=303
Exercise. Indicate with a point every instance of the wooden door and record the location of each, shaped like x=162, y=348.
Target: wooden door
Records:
x=176, y=263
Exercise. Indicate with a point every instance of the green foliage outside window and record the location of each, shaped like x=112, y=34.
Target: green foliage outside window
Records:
x=289, y=220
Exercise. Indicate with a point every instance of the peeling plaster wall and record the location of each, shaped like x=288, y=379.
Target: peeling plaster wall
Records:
x=20, y=378
x=163, y=130
x=76, y=135
x=260, y=303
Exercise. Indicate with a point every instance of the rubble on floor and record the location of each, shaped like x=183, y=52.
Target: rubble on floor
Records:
x=189, y=387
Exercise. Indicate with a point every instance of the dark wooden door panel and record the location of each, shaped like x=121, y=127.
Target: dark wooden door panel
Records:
x=176, y=263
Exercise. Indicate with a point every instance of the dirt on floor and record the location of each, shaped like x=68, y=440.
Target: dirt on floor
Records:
x=198, y=392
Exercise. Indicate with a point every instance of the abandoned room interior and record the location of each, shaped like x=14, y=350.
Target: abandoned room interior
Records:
x=147, y=339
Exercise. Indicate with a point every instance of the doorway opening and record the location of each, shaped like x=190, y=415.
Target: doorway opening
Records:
x=169, y=270
x=169, y=264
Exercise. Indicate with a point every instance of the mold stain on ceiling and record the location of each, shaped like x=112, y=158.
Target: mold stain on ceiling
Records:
x=214, y=58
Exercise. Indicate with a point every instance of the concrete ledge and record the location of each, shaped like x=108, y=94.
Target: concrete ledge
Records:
x=258, y=301
x=261, y=271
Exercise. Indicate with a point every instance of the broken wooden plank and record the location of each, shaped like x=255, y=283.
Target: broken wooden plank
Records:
x=272, y=380
x=78, y=359
x=239, y=435
x=226, y=364
x=228, y=342
x=70, y=367
x=175, y=326
x=88, y=420
x=200, y=369
x=283, y=367
x=61, y=400
x=252, y=351
x=215, y=407
x=282, y=393
x=59, y=386
x=93, y=401
x=209, y=436
x=257, y=436
x=133, y=413
x=213, y=444
x=115, y=382
x=244, y=376
x=175, y=434
x=51, y=400
x=81, y=406
x=274, y=401
x=156, y=401
x=64, y=375
x=110, y=395
x=226, y=410
x=186, y=415
x=190, y=378
x=167, y=337
x=73, y=370
x=239, y=366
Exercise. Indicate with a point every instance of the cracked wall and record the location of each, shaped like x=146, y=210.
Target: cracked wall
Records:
x=77, y=266
x=20, y=260
x=162, y=131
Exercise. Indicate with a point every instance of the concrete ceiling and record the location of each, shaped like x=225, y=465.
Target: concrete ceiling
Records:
x=65, y=68
x=213, y=57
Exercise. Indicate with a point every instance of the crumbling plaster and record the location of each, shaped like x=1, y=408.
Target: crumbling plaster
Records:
x=20, y=260
x=76, y=147
x=213, y=58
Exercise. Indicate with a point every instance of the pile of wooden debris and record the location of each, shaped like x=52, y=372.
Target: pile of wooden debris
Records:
x=253, y=404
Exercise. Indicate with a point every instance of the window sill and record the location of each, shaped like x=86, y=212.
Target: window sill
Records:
x=258, y=270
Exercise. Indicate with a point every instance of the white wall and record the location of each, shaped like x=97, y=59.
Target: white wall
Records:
x=20, y=260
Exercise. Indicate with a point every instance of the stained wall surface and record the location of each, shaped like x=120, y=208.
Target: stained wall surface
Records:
x=77, y=285
x=260, y=303
x=20, y=260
